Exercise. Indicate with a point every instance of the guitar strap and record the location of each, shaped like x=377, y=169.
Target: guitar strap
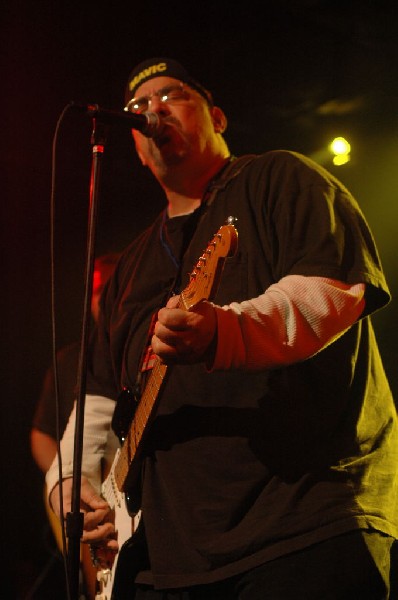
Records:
x=221, y=180
x=128, y=399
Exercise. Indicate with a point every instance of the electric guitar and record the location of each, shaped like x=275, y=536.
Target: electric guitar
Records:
x=126, y=467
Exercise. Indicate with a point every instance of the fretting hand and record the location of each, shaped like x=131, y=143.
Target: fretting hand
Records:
x=185, y=337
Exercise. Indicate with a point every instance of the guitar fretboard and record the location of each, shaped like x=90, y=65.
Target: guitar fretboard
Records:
x=139, y=423
x=203, y=281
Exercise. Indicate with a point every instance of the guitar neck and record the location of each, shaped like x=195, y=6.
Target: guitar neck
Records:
x=203, y=282
x=128, y=461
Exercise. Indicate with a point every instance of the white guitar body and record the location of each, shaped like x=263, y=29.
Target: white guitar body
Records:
x=125, y=525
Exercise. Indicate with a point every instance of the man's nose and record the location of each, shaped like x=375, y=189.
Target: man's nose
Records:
x=156, y=104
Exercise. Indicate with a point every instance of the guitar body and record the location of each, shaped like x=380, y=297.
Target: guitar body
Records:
x=126, y=467
x=125, y=526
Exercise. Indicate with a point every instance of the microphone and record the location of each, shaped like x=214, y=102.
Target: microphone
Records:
x=148, y=123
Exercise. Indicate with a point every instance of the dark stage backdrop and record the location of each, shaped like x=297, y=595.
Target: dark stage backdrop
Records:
x=289, y=74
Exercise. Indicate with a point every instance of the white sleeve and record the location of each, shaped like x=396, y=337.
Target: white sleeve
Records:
x=291, y=321
x=98, y=412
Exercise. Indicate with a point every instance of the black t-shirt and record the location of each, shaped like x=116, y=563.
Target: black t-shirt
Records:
x=241, y=468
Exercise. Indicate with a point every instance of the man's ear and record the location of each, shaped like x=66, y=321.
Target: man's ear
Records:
x=219, y=119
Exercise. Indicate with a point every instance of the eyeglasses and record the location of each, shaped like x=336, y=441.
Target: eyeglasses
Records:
x=168, y=95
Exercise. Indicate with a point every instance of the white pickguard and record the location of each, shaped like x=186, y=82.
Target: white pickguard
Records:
x=125, y=525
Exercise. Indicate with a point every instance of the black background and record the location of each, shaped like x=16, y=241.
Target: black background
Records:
x=289, y=74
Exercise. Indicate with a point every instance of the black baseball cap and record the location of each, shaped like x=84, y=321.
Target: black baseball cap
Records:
x=161, y=66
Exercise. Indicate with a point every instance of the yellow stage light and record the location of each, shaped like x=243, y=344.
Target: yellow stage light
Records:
x=341, y=150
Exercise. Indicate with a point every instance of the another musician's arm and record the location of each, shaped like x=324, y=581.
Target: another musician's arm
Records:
x=43, y=447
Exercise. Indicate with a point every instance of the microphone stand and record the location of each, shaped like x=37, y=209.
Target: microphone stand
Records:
x=74, y=519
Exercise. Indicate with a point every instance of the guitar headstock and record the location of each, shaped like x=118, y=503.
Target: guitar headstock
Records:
x=207, y=271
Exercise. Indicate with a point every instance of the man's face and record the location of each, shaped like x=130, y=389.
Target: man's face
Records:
x=187, y=123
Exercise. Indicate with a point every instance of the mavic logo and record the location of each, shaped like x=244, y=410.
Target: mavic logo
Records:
x=149, y=72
